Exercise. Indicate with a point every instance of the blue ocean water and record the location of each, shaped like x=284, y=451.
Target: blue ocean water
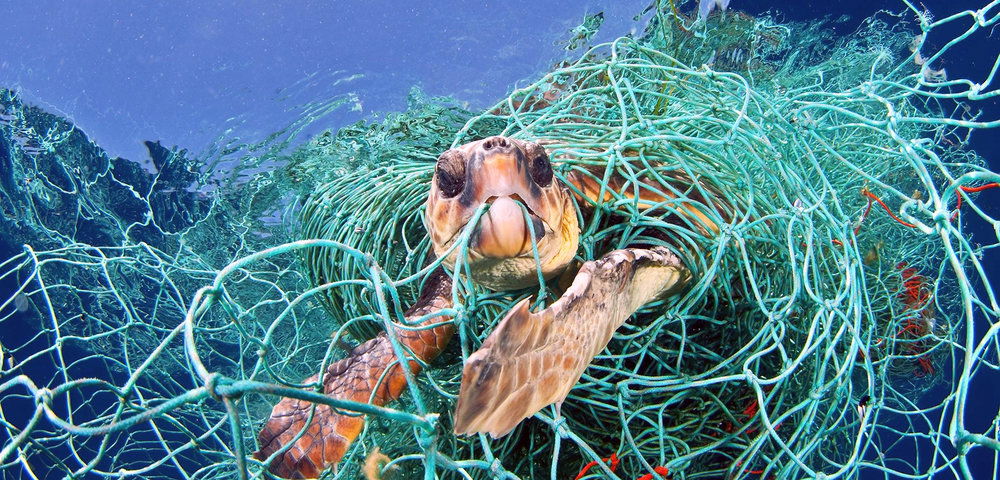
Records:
x=189, y=73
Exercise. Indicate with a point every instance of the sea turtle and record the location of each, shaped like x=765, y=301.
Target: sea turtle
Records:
x=531, y=359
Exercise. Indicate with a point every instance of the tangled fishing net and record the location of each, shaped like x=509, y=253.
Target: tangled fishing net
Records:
x=835, y=326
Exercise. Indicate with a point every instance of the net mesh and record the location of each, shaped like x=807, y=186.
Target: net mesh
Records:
x=835, y=325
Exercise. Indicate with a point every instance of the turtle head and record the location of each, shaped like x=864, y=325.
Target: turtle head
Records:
x=503, y=173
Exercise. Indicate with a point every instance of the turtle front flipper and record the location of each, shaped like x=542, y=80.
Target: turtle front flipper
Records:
x=358, y=377
x=533, y=359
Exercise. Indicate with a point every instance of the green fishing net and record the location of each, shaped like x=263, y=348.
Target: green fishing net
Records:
x=834, y=326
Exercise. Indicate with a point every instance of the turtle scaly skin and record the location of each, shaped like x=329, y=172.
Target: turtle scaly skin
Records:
x=356, y=378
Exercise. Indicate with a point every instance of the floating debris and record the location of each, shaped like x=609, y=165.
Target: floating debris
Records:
x=21, y=303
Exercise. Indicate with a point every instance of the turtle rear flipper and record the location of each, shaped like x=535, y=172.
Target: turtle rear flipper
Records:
x=357, y=377
x=533, y=359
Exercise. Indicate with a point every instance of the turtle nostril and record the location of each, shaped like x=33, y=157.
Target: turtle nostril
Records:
x=499, y=143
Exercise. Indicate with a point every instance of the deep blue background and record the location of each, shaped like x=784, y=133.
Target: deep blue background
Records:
x=182, y=73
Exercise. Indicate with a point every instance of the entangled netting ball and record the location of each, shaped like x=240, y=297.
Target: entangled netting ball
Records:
x=835, y=316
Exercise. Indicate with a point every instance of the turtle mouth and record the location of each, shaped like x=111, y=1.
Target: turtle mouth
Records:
x=503, y=232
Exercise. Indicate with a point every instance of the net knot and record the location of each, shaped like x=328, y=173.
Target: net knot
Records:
x=560, y=427
x=211, y=383
x=460, y=318
x=424, y=439
x=726, y=232
x=980, y=21
x=43, y=396
x=623, y=391
x=942, y=217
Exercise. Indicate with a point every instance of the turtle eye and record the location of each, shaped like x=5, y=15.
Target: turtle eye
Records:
x=450, y=173
x=541, y=170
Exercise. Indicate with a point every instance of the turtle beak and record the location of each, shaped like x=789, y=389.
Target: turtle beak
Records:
x=502, y=231
x=499, y=178
x=525, y=209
